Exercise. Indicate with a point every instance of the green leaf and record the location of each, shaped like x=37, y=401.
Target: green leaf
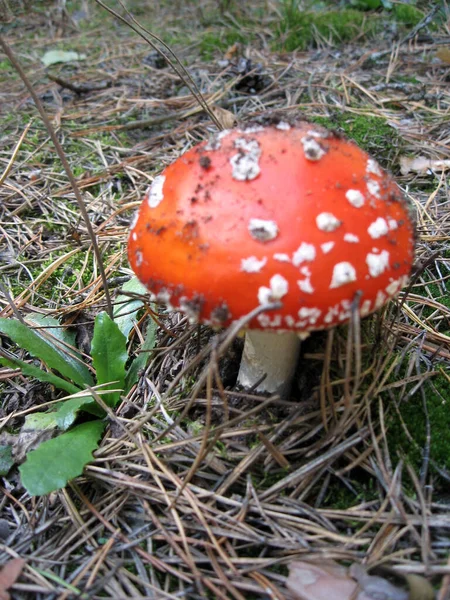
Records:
x=141, y=360
x=52, y=57
x=68, y=410
x=126, y=308
x=366, y=4
x=39, y=421
x=39, y=374
x=60, y=459
x=53, y=355
x=62, y=334
x=63, y=415
x=6, y=459
x=109, y=356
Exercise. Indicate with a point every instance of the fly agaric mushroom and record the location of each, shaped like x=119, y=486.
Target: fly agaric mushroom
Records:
x=287, y=213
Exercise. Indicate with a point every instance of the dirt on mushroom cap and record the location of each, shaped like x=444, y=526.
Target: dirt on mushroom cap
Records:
x=257, y=214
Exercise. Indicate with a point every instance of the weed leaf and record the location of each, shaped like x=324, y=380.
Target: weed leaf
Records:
x=60, y=459
x=140, y=362
x=62, y=417
x=52, y=325
x=52, y=355
x=6, y=459
x=68, y=410
x=109, y=356
x=126, y=308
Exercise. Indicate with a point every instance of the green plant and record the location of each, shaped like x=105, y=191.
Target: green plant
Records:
x=219, y=40
x=299, y=29
x=63, y=457
x=421, y=425
x=371, y=133
x=370, y=4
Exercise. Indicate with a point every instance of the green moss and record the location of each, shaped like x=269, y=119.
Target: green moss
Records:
x=218, y=41
x=5, y=66
x=302, y=27
x=407, y=79
x=299, y=29
x=372, y=134
x=340, y=497
x=407, y=14
x=415, y=413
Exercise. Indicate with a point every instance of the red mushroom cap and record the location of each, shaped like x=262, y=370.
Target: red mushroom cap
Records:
x=289, y=213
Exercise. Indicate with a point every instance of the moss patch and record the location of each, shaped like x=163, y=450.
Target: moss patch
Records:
x=300, y=29
x=407, y=434
x=372, y=134
x=407, y=14
x=217, y=41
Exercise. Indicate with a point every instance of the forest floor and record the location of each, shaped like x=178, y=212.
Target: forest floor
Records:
x=198, y=490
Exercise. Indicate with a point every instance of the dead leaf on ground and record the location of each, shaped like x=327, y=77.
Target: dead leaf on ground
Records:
x=9, y=575
x=226, y=118
x=232, y=51
x=52, y=57
x=25, y=441
x=444, y=54
x=422, y=165
x=309, y=581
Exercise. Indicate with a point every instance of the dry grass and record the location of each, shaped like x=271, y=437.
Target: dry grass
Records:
x=198, y=491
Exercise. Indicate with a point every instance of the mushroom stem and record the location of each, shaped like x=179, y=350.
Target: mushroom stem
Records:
x=273, y=355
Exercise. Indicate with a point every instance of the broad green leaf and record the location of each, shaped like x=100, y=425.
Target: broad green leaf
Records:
x=39, y=374
x=6, y=459
x=52, y=57
x=60, y=459
x=37, y=421
x=109, y=356
x=141, y=360
x=134, y=286
x=68, y=410
x=52, y=354
x=126, y=308
x=50, y=325
x=366, y=4
x=63, y=414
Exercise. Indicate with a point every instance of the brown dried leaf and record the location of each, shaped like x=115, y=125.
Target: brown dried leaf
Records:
x=25, y=441
x=9, y=575
x=308, y=581
x=226, y=118
x=232, y=51
x=444, y=54
x=422, y=165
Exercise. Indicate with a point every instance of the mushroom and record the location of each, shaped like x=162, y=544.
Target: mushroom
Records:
x=284, y=213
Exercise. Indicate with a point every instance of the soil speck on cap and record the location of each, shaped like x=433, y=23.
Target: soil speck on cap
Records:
x=205, y=162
